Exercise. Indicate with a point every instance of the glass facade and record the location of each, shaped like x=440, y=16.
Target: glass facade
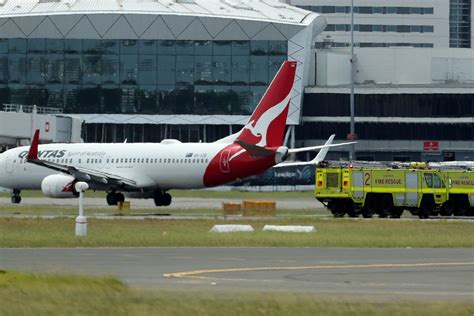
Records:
x=390, y=105
x=380, y=28
x=369, y=10
x=388, y=131
x=138, y=76
x=460, y=23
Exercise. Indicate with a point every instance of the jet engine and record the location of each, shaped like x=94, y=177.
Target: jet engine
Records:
x=59, y=186
x=281, y=154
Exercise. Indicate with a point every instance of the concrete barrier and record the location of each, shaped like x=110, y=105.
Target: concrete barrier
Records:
x=290, y=229
x=231, y=228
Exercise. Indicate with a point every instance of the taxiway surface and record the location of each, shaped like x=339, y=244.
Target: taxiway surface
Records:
x=384, y=273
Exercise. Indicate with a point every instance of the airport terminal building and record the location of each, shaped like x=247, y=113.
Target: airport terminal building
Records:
x=146, y=70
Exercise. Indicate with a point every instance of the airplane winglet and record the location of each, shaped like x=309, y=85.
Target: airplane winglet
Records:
x=33, y=152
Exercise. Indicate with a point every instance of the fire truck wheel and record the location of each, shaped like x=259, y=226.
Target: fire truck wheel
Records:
x=339, y=209
x=426, y=207
x=370, y=206
x=462, y=206
x=386, y=206
x=397, y=212
x=447, y=209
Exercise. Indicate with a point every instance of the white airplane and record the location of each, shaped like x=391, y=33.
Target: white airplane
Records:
x=149, y=170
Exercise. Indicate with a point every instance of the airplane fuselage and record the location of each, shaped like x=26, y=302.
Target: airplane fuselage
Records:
x=172, y=165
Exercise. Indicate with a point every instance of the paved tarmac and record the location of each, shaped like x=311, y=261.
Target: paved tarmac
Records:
x=387, y=274
x=178, y=203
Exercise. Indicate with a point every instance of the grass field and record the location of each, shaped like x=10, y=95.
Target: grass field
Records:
x=27, y=294
x=59, y=232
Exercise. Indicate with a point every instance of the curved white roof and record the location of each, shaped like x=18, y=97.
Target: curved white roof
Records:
x=261, y=10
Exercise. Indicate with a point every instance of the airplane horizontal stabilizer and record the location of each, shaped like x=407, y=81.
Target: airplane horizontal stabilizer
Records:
x=254, y=149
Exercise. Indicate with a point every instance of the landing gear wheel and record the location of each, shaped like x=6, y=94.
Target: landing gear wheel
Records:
x=111, y=200
x=120, y=197
x=114, y=198
x=167, y=199
x=16, y=199
x=162, y=199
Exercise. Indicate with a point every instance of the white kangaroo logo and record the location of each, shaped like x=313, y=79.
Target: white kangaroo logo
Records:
x=261, y=127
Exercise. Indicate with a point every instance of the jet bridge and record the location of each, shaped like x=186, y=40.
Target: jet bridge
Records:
x=18, y=122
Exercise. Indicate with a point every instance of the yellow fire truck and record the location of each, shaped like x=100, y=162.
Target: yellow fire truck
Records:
x=388, y=189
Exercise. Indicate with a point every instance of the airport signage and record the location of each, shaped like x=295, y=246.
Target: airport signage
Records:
x=431, y=146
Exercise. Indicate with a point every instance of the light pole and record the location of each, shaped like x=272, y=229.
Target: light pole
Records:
x=352, y=110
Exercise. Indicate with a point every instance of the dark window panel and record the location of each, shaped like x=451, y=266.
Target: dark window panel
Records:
x=3, y=68
x=73, y=69
x=185, y=48
x=277, y=48
x=148, y=47
x=129, y=69
x=166, y=70
x=91, y=47
x=222, y=69
x=91, y=69
x=129, y=47
x=72, y=46
x=222, y=48
x=240, y=70
x=54, y=68
x=147, y=99
x=17, y=45
x=17, y=68
x=3, y=45
x=166, y=47
x=36, y=46
x=184, y=70
x=129, y=100
x=203, y=70
x=203, y=48
x=110, y=47
x=240, y=48
x=110, y=69
x=258, y=70
x=259, y=48
x=54, y=46
x=147, y=69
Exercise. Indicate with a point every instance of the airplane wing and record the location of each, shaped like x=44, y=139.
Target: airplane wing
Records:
x=319, y=157
x=80, y=173
x=302, y=149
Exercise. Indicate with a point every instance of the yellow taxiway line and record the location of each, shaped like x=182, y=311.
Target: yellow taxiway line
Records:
x=197, y=274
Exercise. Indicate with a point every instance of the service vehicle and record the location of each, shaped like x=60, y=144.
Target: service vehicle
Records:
x=388, y=189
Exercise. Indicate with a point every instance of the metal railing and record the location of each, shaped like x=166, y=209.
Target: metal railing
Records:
x=30, y=109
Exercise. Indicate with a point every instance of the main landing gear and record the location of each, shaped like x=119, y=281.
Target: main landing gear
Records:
x=113, y=198
x=162, y=198
x=16, y=198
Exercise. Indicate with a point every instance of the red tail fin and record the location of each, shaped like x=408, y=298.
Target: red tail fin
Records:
x=266, y=126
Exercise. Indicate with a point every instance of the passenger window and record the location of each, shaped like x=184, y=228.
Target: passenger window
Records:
x=429, y=180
